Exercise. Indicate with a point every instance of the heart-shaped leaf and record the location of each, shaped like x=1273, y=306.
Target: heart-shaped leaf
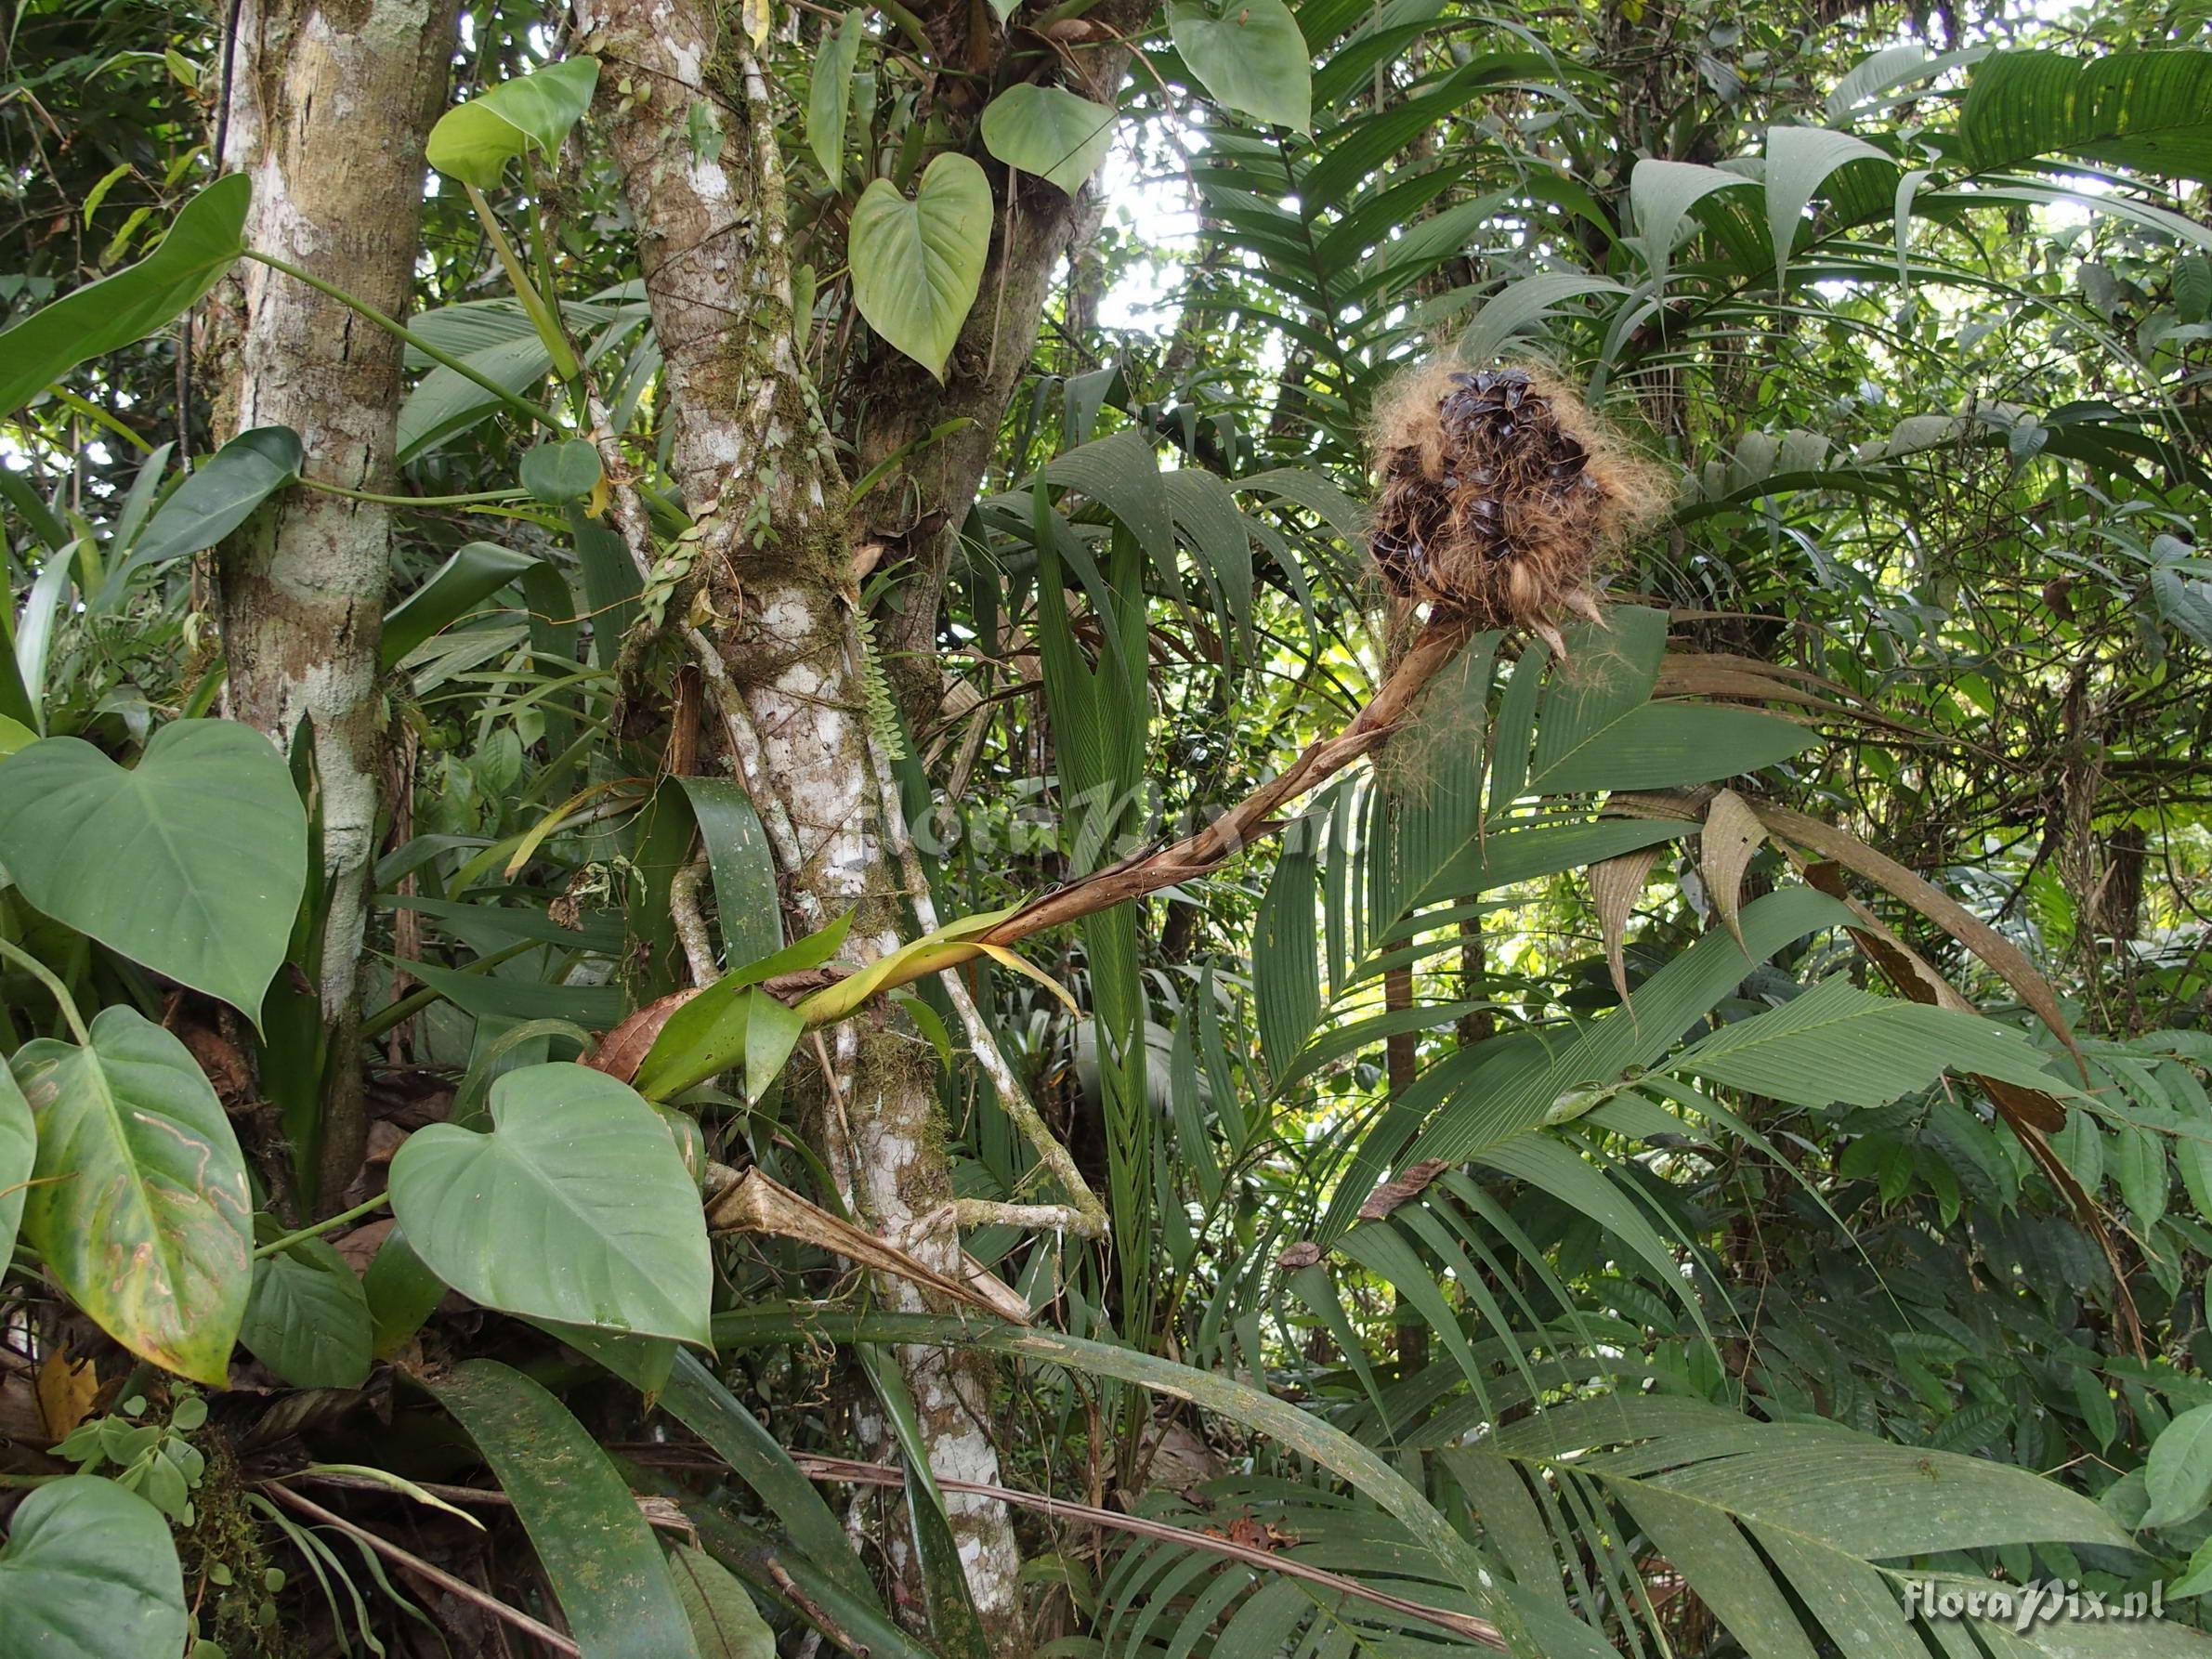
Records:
x=89, y=1571
x=1252, y=59
x=917, y=266
x=564, y=471
x=475, y=141
x=220, y=496
x=308, y=1319
x=208, y=828
x=205, y=242
x=138, y=1204
x=19, y=1151
x=1049, y=131
x=576, y=1208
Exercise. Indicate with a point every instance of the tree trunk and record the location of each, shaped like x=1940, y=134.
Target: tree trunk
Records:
x=330, y=104
x=773, y=548
x=919, y=509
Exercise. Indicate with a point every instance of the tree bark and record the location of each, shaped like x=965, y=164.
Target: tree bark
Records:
x=772, y=544
x=330, y=104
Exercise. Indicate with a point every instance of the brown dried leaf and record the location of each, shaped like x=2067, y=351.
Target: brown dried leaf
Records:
x=66, y=1393
x=1408, y=1184
x=758, y=1204
x=624, y=1050
x=1732, y=834
x=1304, y=1253
x=1614, y=886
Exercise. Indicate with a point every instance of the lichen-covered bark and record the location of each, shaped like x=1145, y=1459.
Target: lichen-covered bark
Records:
x=773, y=549
x=331, y=103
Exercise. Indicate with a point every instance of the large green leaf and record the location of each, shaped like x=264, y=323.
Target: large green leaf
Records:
x=476, y=571
x=2178, y=1473
x=308, y=1319
x=1250, y=56
x=830, y=93
x=576, y=1206
x=600, y=1556
x=89, y=1571
x=222, y=494
x=1799, y=159
x=205, y=242
x=1049, y=131
x=475, y=141
x=2146, y=110
x=724, y=1621
x=19, y=1152
x=208, y=828
x=141, y=1209
x=1838, y=1044
x=917, y=266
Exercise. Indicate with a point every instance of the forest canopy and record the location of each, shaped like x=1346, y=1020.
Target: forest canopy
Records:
x=1072, y=830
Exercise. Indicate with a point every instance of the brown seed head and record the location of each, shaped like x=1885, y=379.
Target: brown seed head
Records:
x=1502, y=494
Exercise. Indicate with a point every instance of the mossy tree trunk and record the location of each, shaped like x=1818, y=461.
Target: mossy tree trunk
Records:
x=768, y=570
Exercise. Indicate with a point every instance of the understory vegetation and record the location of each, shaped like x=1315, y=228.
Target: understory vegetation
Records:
x=1305, y=828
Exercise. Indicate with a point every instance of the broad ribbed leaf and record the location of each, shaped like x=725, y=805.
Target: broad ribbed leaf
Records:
x=576, y=1206
x=601, y=1559
x=204, y=242
x=89, y=1571
x=1837, y=1044
x=1799, y=159
x=917, y=266
x=1663, y=193
x=19, y=1152
x=140, y=1207
x=208, y=903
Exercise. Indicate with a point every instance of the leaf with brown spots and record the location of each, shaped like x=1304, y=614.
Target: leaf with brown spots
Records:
x=1409, y=1183
x=138, y=1200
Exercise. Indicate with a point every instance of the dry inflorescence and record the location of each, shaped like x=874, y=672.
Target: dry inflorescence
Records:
x=1502, y=494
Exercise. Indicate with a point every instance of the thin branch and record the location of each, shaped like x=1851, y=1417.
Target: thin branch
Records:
x=1083, y=1215
x=423, y=1570
x=845, y=1472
